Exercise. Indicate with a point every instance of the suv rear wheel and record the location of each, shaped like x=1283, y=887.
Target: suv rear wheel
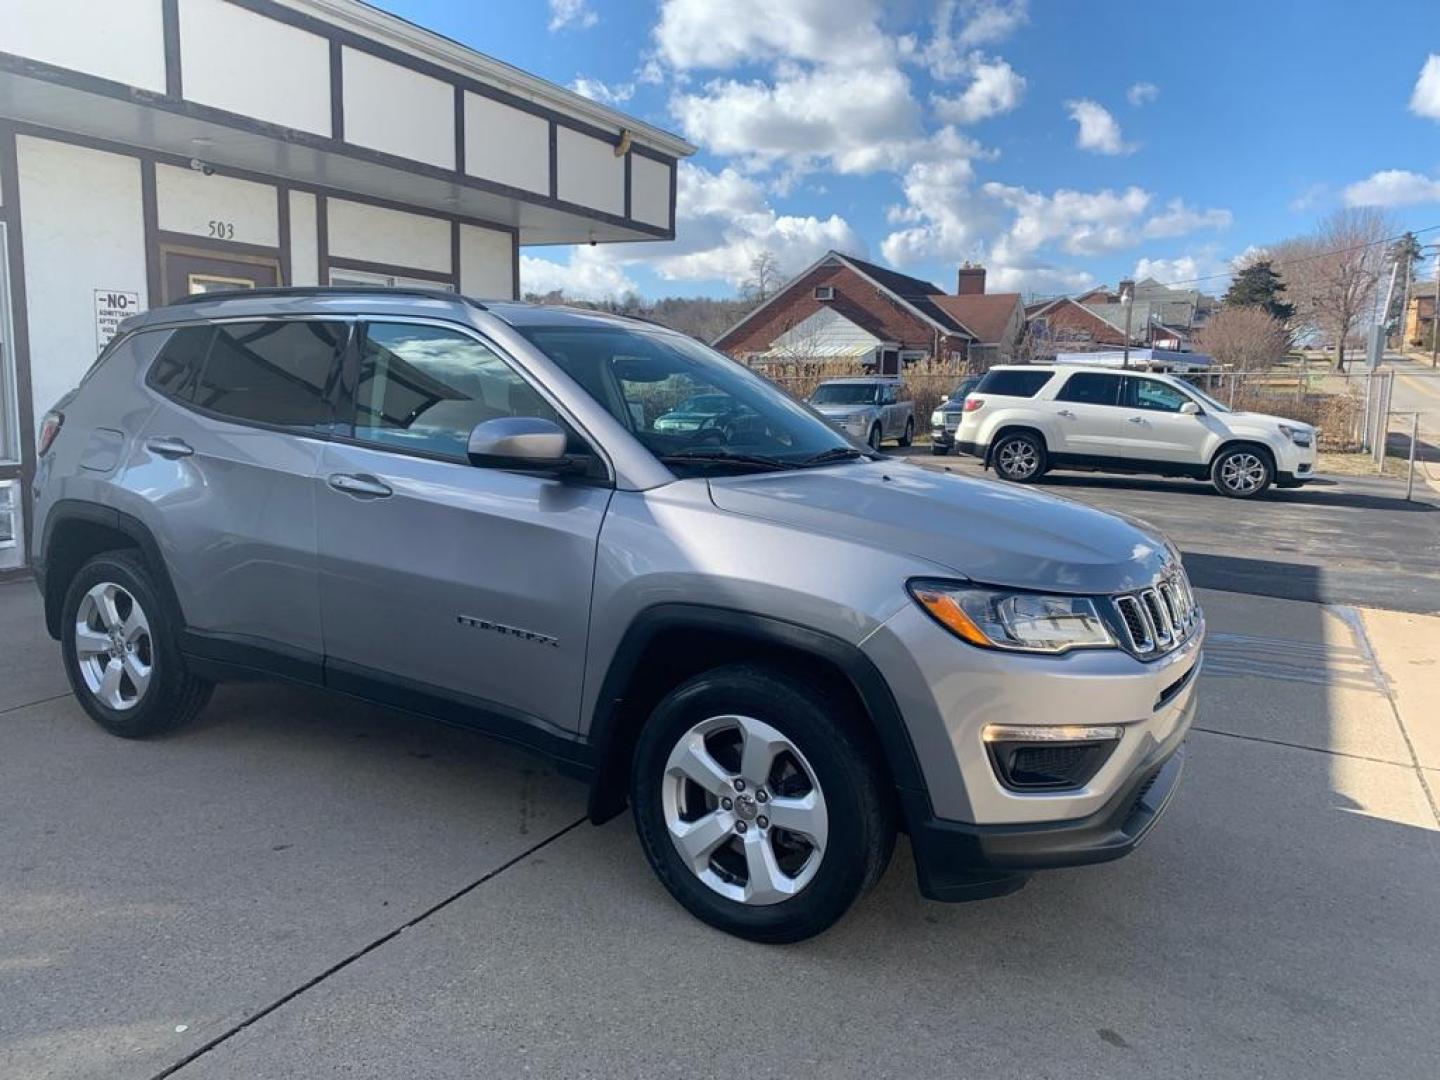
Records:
x=757, y=804
x=1018, y=456
x=909, y=436
x=120, y=652
x=1241, y=472
x=875, y=437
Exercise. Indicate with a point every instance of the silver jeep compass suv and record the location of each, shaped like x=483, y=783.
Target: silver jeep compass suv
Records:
x=776, y=646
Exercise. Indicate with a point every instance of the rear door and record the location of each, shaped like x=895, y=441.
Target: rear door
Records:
x=1089, y=423
x=443, y=584
x=1159, y=430
x=230, y=462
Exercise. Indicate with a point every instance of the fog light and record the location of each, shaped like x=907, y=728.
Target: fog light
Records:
x=1048, y=758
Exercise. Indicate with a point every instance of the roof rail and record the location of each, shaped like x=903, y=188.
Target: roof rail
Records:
x=282, y=292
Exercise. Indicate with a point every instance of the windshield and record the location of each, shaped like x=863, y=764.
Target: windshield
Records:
x=690, y=406
x=1205, y=398
x=962, y=391
x=844, y=394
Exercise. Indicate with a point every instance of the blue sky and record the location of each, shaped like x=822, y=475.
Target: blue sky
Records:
x=1060, y=144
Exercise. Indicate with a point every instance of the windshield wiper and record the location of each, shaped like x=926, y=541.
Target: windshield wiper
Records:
x=835, y=453
x=724, y=457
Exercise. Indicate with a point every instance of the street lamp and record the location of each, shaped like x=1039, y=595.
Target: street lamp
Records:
x=1127, y=298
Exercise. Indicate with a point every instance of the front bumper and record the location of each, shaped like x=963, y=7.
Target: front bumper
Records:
x=955, y=861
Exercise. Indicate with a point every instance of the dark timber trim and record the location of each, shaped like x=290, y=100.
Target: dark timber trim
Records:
x=459, y=129
x=170, y=16
x=322, y=240
x=150, y=211
x=19, y=314
x=554, y=161
x=337, y=92
x=365, y=266
x=282, y=220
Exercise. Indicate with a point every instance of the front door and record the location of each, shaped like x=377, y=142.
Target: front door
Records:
x=1160, y=431
x=438, y=578
x=187, y=271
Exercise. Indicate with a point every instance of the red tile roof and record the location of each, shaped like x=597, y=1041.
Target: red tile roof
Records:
x=986, y=315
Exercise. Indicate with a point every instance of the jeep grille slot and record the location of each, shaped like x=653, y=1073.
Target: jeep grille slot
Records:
x=1159, y=618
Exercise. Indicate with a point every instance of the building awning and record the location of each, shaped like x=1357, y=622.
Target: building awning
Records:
x=824, y=335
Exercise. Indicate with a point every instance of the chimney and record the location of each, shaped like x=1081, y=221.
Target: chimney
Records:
x=971, y=281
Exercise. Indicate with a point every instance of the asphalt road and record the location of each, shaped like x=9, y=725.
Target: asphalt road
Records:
x=1338, y=540
x=298, y=886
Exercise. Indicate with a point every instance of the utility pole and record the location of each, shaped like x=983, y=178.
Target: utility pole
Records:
x=1435, y=313
x=1127, y=297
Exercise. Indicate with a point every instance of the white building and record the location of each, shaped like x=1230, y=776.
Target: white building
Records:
x=153, y=148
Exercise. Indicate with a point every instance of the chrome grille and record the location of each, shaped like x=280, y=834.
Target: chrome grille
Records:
x=1158, y=618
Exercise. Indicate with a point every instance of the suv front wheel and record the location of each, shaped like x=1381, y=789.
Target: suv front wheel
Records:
x=1019, y=457
x=1242, y=472
x=757, y=804
x=120, y=652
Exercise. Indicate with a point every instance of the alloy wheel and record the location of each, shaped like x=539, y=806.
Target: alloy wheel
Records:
x=113, y=646
x=1243, y=473
x=1017, y=459
x=744, y=810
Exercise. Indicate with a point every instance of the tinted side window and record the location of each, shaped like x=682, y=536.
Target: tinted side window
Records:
x=275, y=372
x=1154, y=395
x=179, y=361
x=1091, y=388
x=1013, y=383
x=424, y=388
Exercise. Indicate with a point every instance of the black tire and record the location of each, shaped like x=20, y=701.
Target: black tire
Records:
x=1019, y=457
x=876, y=438
x=940, y=451
x=826, y=731
x=1242, y=472
x=909, y=436
x=173, y=695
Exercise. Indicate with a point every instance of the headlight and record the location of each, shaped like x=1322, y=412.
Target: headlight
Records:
x=1299, y=436
x=1016, y=621
x=937, y=418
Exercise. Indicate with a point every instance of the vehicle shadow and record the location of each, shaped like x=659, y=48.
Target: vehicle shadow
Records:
x=1320, y=492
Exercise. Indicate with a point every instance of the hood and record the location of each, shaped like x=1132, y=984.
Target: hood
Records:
x=839, y=412
x=1265, y=420
x=985, y=530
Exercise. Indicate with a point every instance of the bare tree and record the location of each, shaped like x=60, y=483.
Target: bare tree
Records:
x=1331, y=275
x=764, y=278
x=1243, y=338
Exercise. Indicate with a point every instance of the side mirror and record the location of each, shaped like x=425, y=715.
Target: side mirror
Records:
x=1190, y=409
x=518, y=442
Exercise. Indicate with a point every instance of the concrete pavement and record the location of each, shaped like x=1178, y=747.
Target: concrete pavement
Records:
x=300, y=886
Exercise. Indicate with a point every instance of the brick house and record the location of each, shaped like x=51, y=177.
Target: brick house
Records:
x=1068, y=325
x=841, y=308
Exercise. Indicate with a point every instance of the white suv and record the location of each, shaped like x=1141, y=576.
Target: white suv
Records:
x=1027, y=420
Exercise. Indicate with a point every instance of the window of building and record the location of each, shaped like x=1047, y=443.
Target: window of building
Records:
x=424, y=388
x=281, y=372
x=1091, y=388
x=11, y=526
x=340, y=276
x=824, y=292
x=1011, y=382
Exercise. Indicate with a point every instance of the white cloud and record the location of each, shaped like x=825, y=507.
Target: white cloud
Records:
x=596, y=90
x=1177, y=219
x=591, y=273
x=959, y=27
x=1183, y=268
x=1037, y=278
x=1142, y=93
x=943, y=217
x=705, y=34
x=1098, y=130
x=722, y=222
x=1393, y=187
x=994, y=88
x=1075, y=222
x=1425, y=101
x=855, y=120
x=576, y=13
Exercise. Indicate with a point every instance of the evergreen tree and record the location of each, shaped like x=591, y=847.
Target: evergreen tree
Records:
x=1258, y=285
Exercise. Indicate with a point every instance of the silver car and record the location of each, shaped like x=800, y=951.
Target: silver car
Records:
x=778, y=649
x=867, y=408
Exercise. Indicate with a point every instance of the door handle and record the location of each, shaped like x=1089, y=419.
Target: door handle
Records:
x=1137, y=420
x=169, y=448
x=362, y=486
x=1066, y=413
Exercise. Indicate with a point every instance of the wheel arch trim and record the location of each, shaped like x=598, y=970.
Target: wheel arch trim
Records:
x=612, y=731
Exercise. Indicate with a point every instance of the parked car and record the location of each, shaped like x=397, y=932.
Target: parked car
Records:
x=715, y=413
x=867, y=408
x=776, y=653
x=1027, y=420
x=946, y=417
